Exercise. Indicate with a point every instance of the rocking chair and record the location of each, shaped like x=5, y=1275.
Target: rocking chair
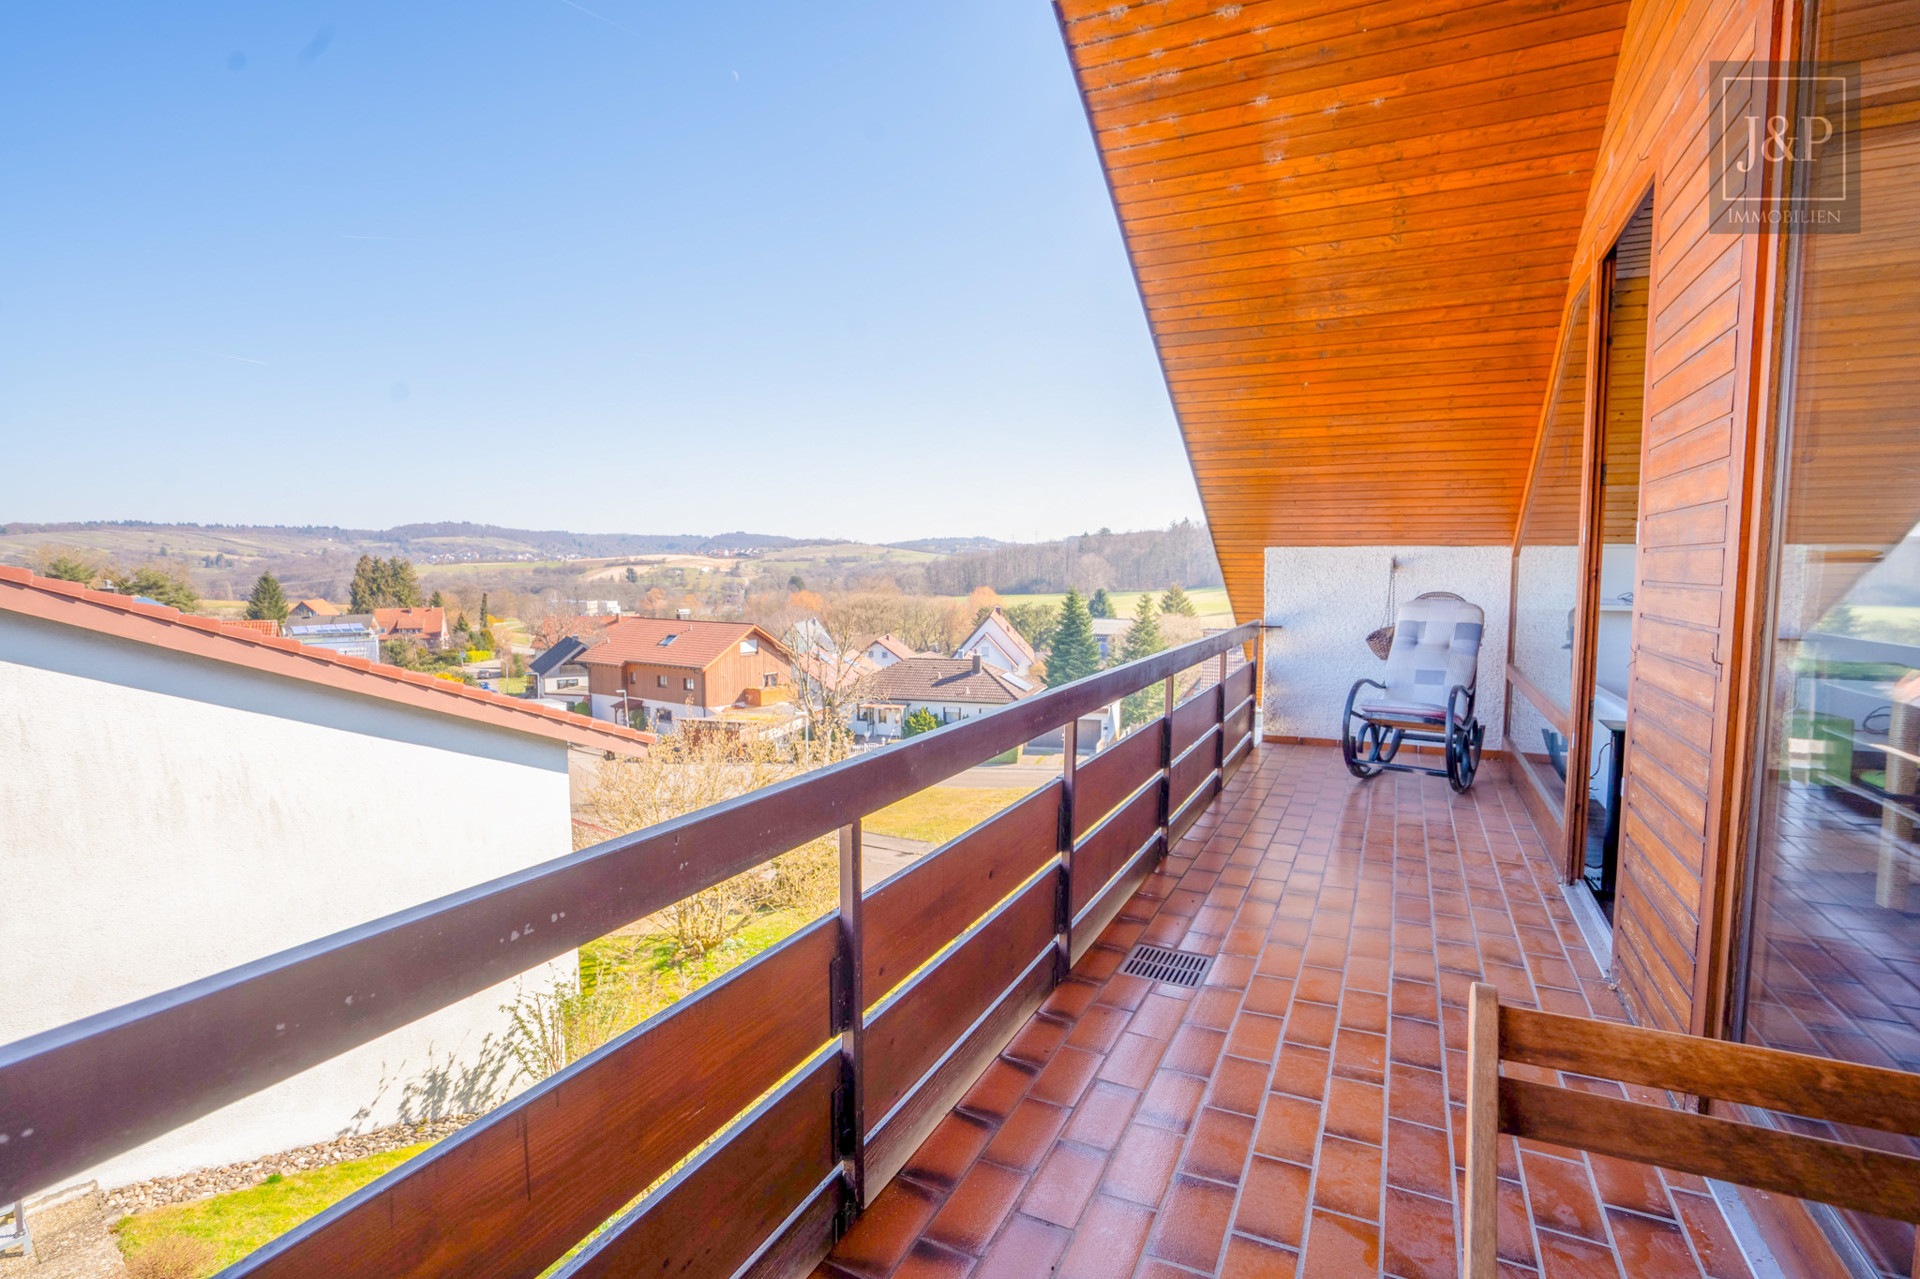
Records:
x=1427, y=698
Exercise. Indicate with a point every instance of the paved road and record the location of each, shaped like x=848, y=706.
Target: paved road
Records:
x=882, y=855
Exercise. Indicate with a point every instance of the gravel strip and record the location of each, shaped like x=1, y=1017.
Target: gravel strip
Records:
x=199, y=1184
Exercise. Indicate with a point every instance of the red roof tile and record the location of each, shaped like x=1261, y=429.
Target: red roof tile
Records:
x=411, y=621
x=656, y=641
x=122, y=616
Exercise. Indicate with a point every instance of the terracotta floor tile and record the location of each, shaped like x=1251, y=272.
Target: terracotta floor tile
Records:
x=1158, y=1016
x=1312, y=1024
x=885, y=1231
x=1273, y=1203
x=1130, y=1063
x=1561, y=1197
x=1289, y=1128
x=1038, y=1040
x=931, y=1261
x=1098, y=1028
x=1340, y=1248
x=1632, y=1186
x=1360, y=1055
x=1416, y=1094
x=1171, y=1099
x=1566, y=1257
x=1219, y=1145
x=1252, y=1259
x=998, y=1090
x=1026, y=1249
x=972, y=1214
x=1301, y=1071
x=1109, y=1240
x=1214, y=1008
x=1066, y=1076
x=1060, y=1190
x=1192, y=1226
x=1269, y=995
x=1102, y=1115
x=1418, y=1159
x=1023, y=1141
x=1255, y=1036
x=1194, y=1050
x=1355, y=1109
x=1651, y=1248
x=1319, y=985
x=1142, y=1164
x=1364, y=1010
x=1417, y=1237
x=1713, y=1241
x=1239, y=1085
x=1347, y=1178
x=949, y=1151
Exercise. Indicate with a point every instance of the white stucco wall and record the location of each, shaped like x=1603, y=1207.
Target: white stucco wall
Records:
x=1325, y=600
x=168, y=817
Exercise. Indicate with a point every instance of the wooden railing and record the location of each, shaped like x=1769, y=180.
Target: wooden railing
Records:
x=753, y=1115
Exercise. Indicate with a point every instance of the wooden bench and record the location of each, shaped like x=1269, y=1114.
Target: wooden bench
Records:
x=1833, y=1172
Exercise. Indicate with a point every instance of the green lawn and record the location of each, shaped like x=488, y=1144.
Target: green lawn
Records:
x=238, y=1222
x=939, y=813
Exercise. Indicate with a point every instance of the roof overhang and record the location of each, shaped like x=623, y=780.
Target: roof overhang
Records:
x=1352, y=228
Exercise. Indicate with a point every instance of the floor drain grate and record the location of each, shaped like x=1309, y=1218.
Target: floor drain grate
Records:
x=1175, y=967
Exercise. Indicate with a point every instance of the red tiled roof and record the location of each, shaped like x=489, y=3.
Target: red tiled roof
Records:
x=943, y=679
x=122, y=616
x=891, y=644
x=410, y=621
x=264, y=626
x=695, y=645
x=319, y=607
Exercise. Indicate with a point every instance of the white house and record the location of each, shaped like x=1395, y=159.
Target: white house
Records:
x=182, y=796
x=999, y=645
x=884, y=650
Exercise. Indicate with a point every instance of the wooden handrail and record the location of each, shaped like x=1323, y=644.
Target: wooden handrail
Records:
x=82, y=1093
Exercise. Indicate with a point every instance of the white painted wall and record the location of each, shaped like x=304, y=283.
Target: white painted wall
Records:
x=1326, y=599
x=167, y=817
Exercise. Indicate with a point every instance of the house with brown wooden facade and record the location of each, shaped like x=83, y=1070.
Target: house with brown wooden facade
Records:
x=653, y=672
x=1564, y=351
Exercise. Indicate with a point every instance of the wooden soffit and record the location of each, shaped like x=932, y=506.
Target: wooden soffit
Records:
x=1352, y=226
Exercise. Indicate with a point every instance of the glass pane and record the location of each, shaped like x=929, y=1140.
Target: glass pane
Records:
x=1547, y=566
x=1835, y=932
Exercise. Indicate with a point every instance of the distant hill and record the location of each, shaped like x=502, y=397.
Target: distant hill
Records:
x=948, y=545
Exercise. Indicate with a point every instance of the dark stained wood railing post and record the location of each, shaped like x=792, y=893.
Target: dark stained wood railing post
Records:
x=1063, y=910
x=849, y=1005
x=1220, y=728
x=1166, y=764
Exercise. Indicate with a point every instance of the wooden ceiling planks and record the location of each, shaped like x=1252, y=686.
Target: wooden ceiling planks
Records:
x=1352, y=226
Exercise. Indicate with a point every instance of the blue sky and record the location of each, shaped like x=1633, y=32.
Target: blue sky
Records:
x=846, y=270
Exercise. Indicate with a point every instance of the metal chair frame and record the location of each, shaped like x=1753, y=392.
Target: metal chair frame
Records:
x=1369, y=743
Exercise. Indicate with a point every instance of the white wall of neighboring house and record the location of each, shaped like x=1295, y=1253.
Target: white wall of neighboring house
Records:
x=945, y=712
x=1326, y=599
x=168, y=817
x=612, y=708
x=996, y=648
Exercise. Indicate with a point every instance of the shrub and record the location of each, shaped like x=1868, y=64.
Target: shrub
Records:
x=173, y=1257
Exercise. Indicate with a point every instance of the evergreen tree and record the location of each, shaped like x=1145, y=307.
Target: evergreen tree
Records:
x=403, y=585
x=170, y=587
x=436, y=601
x=921, y=720
x=363, y=594
x=1100, y=605
x=633, y=575
x=1143, y=640
x=1176, y=601
x=1143, y=637
x=268, y=603
x=485, y=621
x=66, y=568
x=1074, y=652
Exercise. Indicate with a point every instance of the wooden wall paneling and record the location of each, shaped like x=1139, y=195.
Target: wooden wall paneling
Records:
x=1189, y=771
x=1193, y=717
x=913, y=915
x=513, y=1192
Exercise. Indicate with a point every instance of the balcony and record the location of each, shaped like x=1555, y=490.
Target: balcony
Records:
x=950, y=1075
